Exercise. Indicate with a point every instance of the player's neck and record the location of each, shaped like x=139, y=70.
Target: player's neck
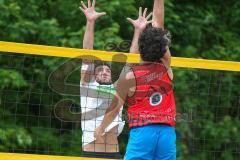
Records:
x=142, y=62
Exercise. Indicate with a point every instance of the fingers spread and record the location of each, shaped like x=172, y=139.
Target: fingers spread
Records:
x=89, y=3
x=148, y=22
x=149, y=16
x=83, y=5
x=93, y=3
x=83, y=10
x=130, y=20
x=140, y=11
x=102, y=14
x=145, y=12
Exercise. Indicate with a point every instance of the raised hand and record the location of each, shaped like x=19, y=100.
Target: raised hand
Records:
x=142, y=21
x=90, y=11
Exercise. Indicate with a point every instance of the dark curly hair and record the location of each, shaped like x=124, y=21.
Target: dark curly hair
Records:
x=153, y=43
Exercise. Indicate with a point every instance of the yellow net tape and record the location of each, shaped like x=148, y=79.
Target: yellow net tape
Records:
x=108, y=56
x=15, y=156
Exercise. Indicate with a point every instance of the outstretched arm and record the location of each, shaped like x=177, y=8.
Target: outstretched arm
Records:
x=125, y=82
x=87, y=70
x=91, y=16
x=167, y=63
x=139, y=25
x=158, y=22
x=158, y=14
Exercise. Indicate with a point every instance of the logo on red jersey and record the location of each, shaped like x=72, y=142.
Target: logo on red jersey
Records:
x=155, y=99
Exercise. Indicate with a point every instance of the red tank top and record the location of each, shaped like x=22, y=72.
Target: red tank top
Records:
x=153, y=101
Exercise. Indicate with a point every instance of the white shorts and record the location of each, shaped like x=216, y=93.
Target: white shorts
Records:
x=89, y=126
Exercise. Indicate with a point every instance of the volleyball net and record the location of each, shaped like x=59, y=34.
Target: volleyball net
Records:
x=43, y=107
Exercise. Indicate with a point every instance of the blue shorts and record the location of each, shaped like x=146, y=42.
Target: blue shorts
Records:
x=151, y=142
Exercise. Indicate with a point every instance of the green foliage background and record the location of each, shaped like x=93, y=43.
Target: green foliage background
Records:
x=200, y=29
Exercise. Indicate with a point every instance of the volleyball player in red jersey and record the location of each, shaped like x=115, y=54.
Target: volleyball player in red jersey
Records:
x=148, y=89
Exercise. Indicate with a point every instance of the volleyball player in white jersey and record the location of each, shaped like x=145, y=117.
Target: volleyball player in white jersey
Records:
x=97, y=79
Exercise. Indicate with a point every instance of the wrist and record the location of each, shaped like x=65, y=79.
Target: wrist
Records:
x=137, y=31
x=92, y=22
x=87, y=66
